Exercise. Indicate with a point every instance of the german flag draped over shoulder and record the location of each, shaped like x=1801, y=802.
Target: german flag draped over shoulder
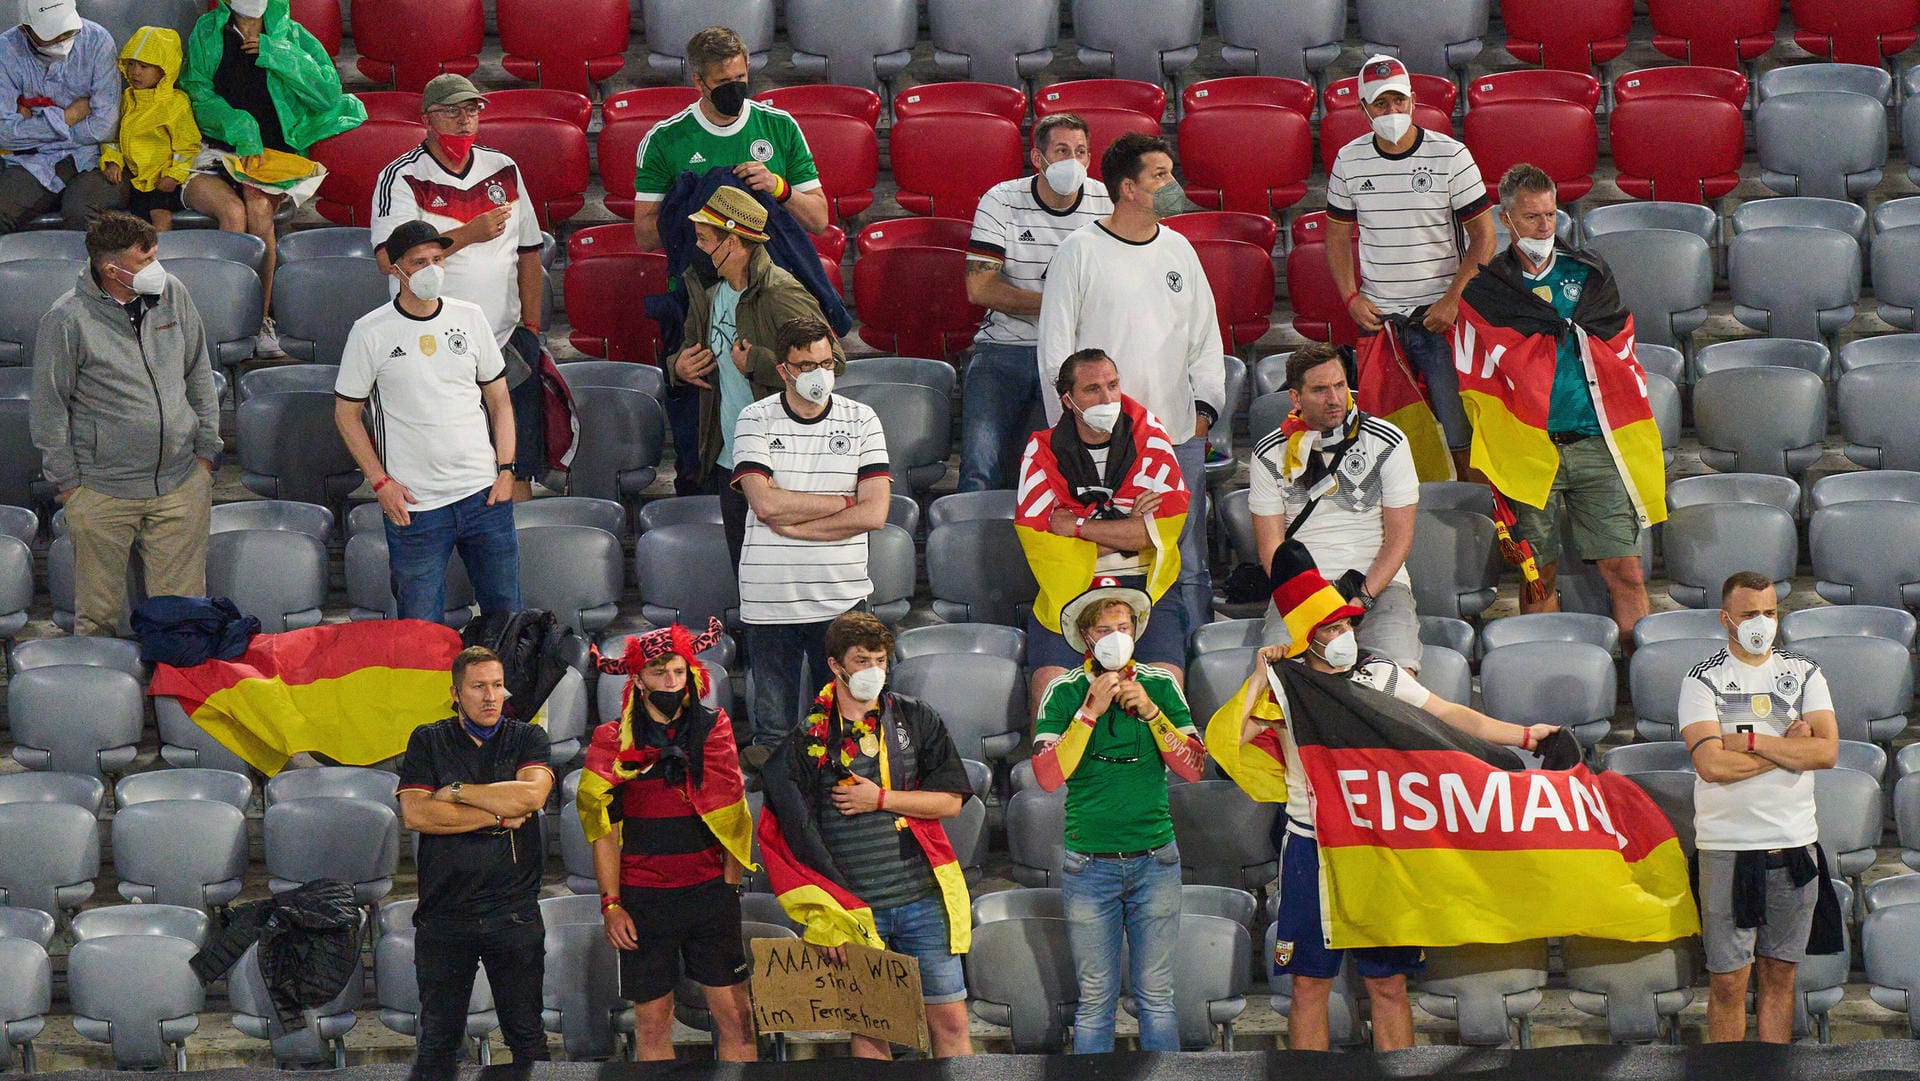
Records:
x=351, y=691
x=1064, y=565
x=1387, y=387
x=719, y=798
x=1431, y=837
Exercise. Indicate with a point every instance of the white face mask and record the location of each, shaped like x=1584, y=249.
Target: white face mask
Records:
x=1756, y=635
x=1537, y=250
x=1102, y=417
x=1114, y=651
x=866, y=684
x=248, y=9
x=55, y=51
x=149, y=281
x=1392, y=127
x=426, y=283
x=1065, y=176
x=815, y=385
x=1342, y=652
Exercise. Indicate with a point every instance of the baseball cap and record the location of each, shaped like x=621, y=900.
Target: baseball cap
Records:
x=448, y=89
x=48, y=19
x=1381, y=74
x=736, y=211
x=410, y=235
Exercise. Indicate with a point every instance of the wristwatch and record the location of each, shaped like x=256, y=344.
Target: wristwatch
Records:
x=454, y=791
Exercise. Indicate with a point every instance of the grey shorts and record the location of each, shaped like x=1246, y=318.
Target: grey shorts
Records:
x=1789, y=916
x=1600, y=514
x=1391, y=628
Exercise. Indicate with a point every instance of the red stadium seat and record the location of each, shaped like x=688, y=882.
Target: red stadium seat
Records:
x=990, y=98
x=826, y=99
x=597, y=240
x=354, y=160
x=1318, y=311
x=1221, y=175
x=1342, y=126
x=1567, y=37
x=944, y=162
x=402, y=106
x=552, y=155
x=912, y=301
x=1106, y=125
x=1241, y=276
x=407, y=42
x=1855, y=31
x=1249, y=90
x=628, y=118
x=831, y=243
x=1080, y=95
x=847, y=153
x=564, y=44
x=1714, y=33
x=912, y=232
x=603, y=295
x=321, y=18
x=1729, y=86
x=537, y=103
x=1677, y=149
x=1535, y=84
x=1256, y=229
x=1435, y=90
x=1558, y=136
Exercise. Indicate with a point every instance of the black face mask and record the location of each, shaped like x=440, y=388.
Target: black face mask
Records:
x=700, y=265
x=728, y=99
x=667, y=702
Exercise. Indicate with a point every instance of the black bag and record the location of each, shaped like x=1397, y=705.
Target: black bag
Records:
x=533, y=649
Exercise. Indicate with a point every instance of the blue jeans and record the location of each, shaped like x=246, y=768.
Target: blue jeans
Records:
x=919, y=930
x=996, y=404
x=1431, y=355
x=417, y=556
x=1196, y=584
x=1140, y=897
x=779, y=696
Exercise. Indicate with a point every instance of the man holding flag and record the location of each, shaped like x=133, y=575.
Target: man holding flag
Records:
x=1559, y=405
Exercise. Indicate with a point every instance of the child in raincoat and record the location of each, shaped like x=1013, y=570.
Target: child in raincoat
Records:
x=158, y=139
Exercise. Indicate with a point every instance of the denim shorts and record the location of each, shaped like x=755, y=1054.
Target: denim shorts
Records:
x=919, y=930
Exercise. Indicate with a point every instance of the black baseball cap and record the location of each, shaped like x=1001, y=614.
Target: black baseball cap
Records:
x=410, y=235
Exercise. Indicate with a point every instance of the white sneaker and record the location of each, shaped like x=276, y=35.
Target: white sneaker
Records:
x=266, y=346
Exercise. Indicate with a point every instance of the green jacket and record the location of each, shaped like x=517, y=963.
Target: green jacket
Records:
x=772, y=297
x=300, y=77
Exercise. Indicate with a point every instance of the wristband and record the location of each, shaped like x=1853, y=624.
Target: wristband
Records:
x=608, y=903
x=1078, y=524
x=1526, y=739
x=1749, y=742
x=1084, y=717
x=850, y=501
x=382, y=483
x=1347, y=301
x=880, y=801
x=781, y=190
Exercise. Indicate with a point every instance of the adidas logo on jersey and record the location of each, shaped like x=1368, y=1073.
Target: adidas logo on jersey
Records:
x=438, y=200
x=1366, y=185
x=1026, y=235
x=697, y=159
x=397, y=352
x=776, y=444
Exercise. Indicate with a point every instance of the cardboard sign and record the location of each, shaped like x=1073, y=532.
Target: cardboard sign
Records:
x=876, y=993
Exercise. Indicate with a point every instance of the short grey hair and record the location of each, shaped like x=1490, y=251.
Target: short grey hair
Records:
x=1523, y=178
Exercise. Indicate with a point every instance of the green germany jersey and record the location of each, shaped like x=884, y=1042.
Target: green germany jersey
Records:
x=688, y=141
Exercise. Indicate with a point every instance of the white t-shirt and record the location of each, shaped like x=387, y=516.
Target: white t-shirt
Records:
x=1407, y=206
x=1014, y=229
x=1344, y=532
x=1377, y=673
x=783, y=580
x=1149, y=307
x=417, y=187
x=424, y=378
x=1774, y=809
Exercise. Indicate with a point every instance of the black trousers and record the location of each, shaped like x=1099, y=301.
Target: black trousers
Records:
x=444, y=961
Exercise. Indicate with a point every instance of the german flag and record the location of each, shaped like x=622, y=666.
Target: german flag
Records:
x=1258, y=765
x=351, y=691
x=719, y=799
x=1388, y=388
x=1431, y=837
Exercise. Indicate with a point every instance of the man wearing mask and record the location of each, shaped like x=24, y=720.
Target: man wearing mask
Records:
x=1100, y=496
x=1758, y=721
x=1125, y=280
x=443, y=472
x=667, y=773
x=1343, y=482
x=1408, y=191
x=813, y=466
x=852, y=835
x=1110, y=730
x=731, y=329
x=127, y=424
x=1016, y=229
x=60, y=80
x=476, y=198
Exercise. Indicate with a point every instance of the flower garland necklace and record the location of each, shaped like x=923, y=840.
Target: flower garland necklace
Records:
x=858, y=736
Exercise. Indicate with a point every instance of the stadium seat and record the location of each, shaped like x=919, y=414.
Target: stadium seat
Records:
x=1434, y=91
x=1584, y=627
x=916, y=420
x=1109, y=106
x=1762, y=353
x=322, y=19
x=243, y=248
x=354, y=160
x=26, y=997
x=1892, y=214
x=563, y=44
x=912, y=300
x=49, y=856
x=1851, y=808
x=847, y=152
x=304, y=518
x=580, y=993
x=912, y=232
x=68, y=244
x=1705, y=544
x=1828, y=143
x=354, y=840
x=943, y=163
x=627, y=117
x=1568, y=683
x=28, y=288
x=122, y=17
x=1534, y=84
x=1256, y=229
x=116, y=653
x=289, y=448
x=1223, y=834
x=602, y=514
x=370, y=583
x=965, y=506
x=138, y=993
x=1220, y=175
x=539, y=103
x=1036, y=828
x=1853, y=562
x=678, y=585
x=1768, y=489
x=1021, y=975
x=1794, y=281
x=1210, y=979
x=993, y=41
x=174, y=921
x=678, y=510
x=336, y=240
x=1148, y=42
x=1318, y=313
x=936, y=374
x=980, y=696
x=1241, y=277
x=1876, y=407
x=606, y=317
x=1660, y=756
x=1714, y=33
x=1869, y=81
x=396, y=106
x=1680, y=148
x=1455, y=634
x=1558, y=136
x=227, y=295
x=1838, y=620
x=1666, y=280
x=1677, y=623
x=988, y=638
x=1663, y=395
x=1242, y=90
x=83, y=790
x=277, y=576
x=1683, y=81
x=189, y=852
x=1894, y=285
x=75, y=719
x=214, y=785
x=1338, y=127
x=399, y=994
x=16, y=585
x=978, y=573
x=1454, y=564
x=993, y=99
x=1871, y=680
x=553, y=160
x=1761, y=420
x=1855, y=31
x=827, y=99
x=1435, y=37
x=671, y=23
x=1890, y=947
x=1489, y=991
x=1043, y=902
x=861, y=43
x=621, y=434
x=1566, y=37
x=320, y=1041
x=1639, y=987
x=1838, y=215
x=408, y=42
x=576, y=572
x=1294, y=41
x=1695, y=218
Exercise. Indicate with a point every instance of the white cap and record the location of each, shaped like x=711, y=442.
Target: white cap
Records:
x=48, y=19
x=1381, y=74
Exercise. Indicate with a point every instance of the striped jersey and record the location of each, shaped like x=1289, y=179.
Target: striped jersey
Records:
x=784, y=580
x=1772, y=809
x=1015, y=230
x=688, y=142
x=1407, y=206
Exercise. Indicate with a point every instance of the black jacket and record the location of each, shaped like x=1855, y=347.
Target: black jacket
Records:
x=309, y=945
x=1500, y=294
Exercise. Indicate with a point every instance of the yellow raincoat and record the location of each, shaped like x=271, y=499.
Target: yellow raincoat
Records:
x=158, y=137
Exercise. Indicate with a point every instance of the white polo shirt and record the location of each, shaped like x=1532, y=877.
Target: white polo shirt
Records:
x=1773, y=809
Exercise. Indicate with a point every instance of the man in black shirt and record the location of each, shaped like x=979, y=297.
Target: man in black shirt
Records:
x=472, y=786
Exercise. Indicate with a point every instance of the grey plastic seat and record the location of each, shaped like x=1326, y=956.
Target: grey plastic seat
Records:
x=28, y=288
x=615, y=373
x=1762, y=488
x=1586, y=627
x=576, y=572
x=19, y=458
x=1762, y=353
x=1489, y=991
x=277, y=576
x=1820, y=980
x=1879, y=349
x=1148, y=42
x=1264, y=415
x=567, y=724
x=1705, y=544
x=1020, y=974
x=1794, y=281
x=172, y=921
x=1825, y=143
x=670, y=23
x=679, y=510
x=49, y=856
x=1026, y=902
x=186, y=745
x=964, y=506
x=1871, y=680
x=186, y=852
x=26, y=997
x=321, y=1041
x=243, y=248
x=1839, y=215
x=16, y=585
x=1863, y=79
x=1009, y=42
x=1892, y=214
x=1838, y=620
x=1234, y=514
x=852, y=42
x=354, y=840
x=1761, y=420
x=1036, y=823
x=219, y=785
x=980, y=697
x=1851, y=808
x=1696, y=218
x=1892, y=890
x=1666, y=279
x=891, y=568
x=68, y=244
x=1664, y=361
x=1225, y=634
x=138, y=993
x=1890, y=947
x=317, y=300
x=1446, y=673
x=338, y=241
x=1211, y=977
x=1437, y=38
x=352, y=782
x=572, y=510
x=576, y=853
x=284, y=377
x=989, y=638
x=1663, y=396
x=918, y=424
x=18, y=522
x=399, y=993
x=1662, y=755
x=1456, y=495
x=1861, y=757
x=370, y=582
x=1455, y=634
x=1876, y=406
x=621, y=431
x=1214, y=677
x=75, y=719
x=1455, y=564
x=310, y=519
x=1571, y=684
x=1656, y=669
x=978, y=573
x=1853, y=561
x=1223, y=836
x=1639, y=987
x=289, y=448
x=26, y=924
x=1895, y=252
x=863, y=371
x=580, y=993
x=1679, y=623
x=228, y=297
x=1294, y=40
x=967, y=833
x=679, y=580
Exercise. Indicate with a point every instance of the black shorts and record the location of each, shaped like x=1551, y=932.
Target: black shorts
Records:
x=697, y=927
x=142, y=204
